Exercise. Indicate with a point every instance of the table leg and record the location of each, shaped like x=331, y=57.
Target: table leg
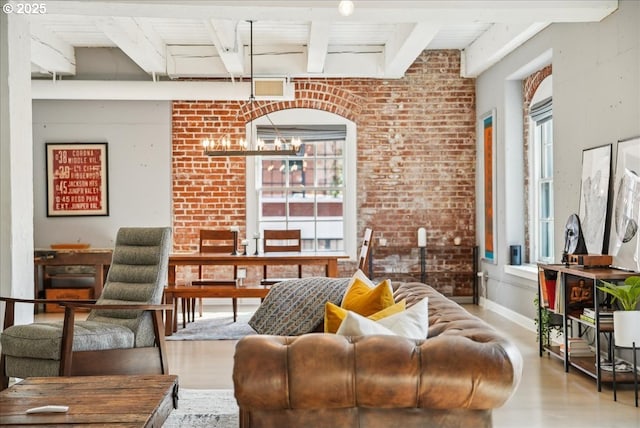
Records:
x=170, y=324
x=36, y=286
x=332, y=268
x=171, y=275
x=98, y=281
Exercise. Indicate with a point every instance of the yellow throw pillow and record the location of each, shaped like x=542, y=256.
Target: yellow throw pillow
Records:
x=334, y=315
x=364, y=300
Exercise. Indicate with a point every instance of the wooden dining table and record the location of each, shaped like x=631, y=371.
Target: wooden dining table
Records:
x=327, y=259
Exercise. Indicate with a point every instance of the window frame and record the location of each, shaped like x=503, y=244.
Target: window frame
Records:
x=309, y=117
x=541, y=116
x=543, y=154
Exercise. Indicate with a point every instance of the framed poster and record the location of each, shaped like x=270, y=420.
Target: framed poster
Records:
x=487, y=134
x=594, y=198
x=77, y=179
x=624, y=243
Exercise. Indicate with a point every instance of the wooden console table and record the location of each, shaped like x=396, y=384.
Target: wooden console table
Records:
x=124, y=401
x=99, y=259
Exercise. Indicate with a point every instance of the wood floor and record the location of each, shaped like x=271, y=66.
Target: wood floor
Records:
x=546, y=397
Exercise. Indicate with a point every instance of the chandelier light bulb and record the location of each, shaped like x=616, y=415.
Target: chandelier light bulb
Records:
x=251, y=146
x=346, y=7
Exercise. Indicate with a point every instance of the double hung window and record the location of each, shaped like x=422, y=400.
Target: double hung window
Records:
x=542, y=131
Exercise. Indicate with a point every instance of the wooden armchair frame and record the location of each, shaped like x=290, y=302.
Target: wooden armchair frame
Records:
x=142, y=360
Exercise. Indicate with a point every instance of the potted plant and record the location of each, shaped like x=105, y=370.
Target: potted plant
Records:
x=549, y=322
x=626, y=321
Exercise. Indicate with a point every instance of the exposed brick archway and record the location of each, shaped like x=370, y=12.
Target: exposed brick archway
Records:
x=310, y=95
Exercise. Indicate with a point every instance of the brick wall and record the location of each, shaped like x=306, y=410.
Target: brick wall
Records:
x=416, y=165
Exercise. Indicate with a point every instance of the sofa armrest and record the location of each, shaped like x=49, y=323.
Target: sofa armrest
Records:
x=315, y=371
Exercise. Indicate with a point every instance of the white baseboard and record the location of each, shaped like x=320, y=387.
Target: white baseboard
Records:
x=517, y=318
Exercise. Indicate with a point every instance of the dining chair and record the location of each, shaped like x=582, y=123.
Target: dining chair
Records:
x=220, y=242
x=365, y=252
x=279, y=241
x=123, y=333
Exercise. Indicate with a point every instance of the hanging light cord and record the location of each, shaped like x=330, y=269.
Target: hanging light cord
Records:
x=250, y=144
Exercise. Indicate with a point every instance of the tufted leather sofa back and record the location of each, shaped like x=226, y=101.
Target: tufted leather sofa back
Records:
x=454, y=378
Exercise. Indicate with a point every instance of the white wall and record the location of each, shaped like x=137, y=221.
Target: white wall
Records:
x=138, y=134
x=596, y=101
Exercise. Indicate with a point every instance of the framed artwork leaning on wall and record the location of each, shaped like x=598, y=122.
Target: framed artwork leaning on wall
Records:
x=594, y=198
x=624, y=243
x=77, y=179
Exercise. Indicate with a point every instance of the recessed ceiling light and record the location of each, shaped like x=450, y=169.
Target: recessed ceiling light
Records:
x=346, y=7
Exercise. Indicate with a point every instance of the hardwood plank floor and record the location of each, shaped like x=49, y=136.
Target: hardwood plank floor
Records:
x=546, y=397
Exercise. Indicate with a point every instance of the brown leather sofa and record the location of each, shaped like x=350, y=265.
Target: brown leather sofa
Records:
x=454, y=378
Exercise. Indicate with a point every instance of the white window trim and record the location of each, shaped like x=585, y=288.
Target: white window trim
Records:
x=527, y=271
x=544, y=91
x=310, y=117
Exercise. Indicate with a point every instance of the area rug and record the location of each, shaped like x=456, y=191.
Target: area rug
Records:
x=215, y=326
x=212, y=408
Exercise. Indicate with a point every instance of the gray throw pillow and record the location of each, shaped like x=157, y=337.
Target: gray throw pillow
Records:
x=296, y=306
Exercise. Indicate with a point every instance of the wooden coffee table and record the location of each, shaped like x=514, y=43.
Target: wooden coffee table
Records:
x=123, y=401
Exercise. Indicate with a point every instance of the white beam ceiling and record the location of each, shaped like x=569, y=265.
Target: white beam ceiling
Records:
x=381, y=39
x=49, y=52
x=318, y=46
x=225, y=38
x=137, y=39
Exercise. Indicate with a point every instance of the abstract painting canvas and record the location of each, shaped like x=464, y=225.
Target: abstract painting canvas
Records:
x=594, y=197
x=624, y=241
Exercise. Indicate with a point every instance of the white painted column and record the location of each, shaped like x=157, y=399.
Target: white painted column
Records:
x=16, y=163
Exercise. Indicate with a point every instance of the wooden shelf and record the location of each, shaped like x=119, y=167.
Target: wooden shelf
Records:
x=554, y=351
x=579, y=291
x=588, y=366
x=604, y=327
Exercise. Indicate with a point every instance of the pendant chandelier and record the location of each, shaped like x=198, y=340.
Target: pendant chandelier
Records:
x=252, y=146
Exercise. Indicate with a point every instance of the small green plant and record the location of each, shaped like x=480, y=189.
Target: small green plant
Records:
x=547, y=324
x=627, y=294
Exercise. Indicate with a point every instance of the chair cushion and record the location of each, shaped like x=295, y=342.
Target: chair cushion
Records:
x=42, y=340
x=296, y=307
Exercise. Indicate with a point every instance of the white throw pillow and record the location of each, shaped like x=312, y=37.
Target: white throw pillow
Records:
x=364, y=278
x=412, y=323
x=355, y=324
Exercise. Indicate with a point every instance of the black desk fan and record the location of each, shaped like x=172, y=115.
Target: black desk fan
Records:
x=573, y=239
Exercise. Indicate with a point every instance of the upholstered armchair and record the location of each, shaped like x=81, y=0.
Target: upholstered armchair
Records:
x=123, y=332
